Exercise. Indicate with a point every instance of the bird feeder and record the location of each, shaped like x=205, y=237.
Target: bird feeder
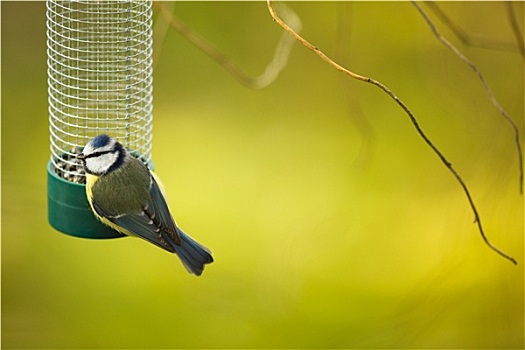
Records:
x=99, y=81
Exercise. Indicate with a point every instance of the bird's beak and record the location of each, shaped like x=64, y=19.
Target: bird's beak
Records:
x=81, y=156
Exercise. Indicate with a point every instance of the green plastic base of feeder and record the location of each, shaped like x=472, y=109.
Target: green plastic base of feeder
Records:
x=69, y=211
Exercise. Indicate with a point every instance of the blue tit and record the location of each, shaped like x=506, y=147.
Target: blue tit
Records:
x=125, y=195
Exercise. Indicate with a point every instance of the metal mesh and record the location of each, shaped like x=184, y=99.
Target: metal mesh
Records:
x=99, y=77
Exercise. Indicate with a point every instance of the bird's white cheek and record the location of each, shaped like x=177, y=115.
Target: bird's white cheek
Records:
x=101, y=164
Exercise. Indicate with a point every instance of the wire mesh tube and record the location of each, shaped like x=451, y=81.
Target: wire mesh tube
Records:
x=99, y=81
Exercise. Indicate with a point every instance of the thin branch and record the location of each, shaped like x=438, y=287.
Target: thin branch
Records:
x=515, y=27
x=463, y=36
x=160, y=31
x=325, y=58
x=485, y=86
x=361, y=123
x=278, y=63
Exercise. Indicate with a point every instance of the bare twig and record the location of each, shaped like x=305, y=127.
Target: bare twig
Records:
x=361, y=123
x=515, y=27
x=463, y=36
x=485, y=86
x=278, y=63
x=160, y=31
x=351, y=74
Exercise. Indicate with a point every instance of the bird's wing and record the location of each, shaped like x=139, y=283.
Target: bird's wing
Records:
x=153, y=223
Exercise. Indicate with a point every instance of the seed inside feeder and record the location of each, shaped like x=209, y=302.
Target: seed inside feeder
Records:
x=70, y=168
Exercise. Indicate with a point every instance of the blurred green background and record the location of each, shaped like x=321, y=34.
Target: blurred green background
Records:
x=331, y=222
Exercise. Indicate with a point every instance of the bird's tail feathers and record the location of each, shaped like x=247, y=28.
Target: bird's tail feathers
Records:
x=192, y=254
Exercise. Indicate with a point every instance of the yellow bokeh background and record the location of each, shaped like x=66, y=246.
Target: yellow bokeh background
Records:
x=331, y=222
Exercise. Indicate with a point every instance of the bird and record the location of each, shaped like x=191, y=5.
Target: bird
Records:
x=125, y=195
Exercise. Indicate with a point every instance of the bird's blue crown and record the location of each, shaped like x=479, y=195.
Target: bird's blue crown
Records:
x=100, y=141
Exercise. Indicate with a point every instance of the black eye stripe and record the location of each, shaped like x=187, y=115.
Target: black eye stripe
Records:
x=96, y=154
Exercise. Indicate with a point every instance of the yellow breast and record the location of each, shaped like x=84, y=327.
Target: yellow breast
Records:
x=90, y=182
